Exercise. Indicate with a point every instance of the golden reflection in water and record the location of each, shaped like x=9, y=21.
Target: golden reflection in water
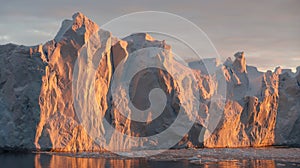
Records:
x=241, y=163
x=56, y=161
x=37, y=161
x=263, y=163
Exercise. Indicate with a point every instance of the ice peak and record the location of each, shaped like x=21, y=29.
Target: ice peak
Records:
x=239, y=63
x=80, y=25
x=139, y=37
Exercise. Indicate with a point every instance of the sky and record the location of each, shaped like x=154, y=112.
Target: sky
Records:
x=268, y=31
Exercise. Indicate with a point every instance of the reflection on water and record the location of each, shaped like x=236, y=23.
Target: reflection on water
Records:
x=63, y=161
x=239, y=163
x=55, y=161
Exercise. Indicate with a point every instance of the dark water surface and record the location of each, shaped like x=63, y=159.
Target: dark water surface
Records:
x=56, y=160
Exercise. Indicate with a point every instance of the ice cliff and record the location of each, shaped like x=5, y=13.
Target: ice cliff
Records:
x=37, y=105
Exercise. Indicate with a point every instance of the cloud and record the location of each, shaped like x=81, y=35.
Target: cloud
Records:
x=5, y=37
x=41, y=33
